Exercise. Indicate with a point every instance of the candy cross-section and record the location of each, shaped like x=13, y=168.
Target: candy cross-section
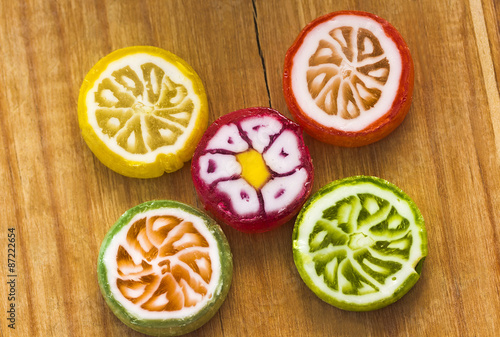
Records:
x=348, y=78
x=359, y=243
x=252, y=169
x=164, y=268
x=142, y=110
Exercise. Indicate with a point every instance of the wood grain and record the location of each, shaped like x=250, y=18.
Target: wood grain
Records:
x=61, y=200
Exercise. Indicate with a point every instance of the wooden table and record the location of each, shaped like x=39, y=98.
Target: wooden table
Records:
x=61, y=200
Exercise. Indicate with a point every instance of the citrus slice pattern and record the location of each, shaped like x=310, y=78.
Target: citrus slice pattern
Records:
x=348, y=72
x=142, y=110
x=252, y=169
x=165, y=268
x=359, y=243
x=348, y=78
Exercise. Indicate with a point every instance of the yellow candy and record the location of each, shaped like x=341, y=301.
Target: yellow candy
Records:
x=142, y=110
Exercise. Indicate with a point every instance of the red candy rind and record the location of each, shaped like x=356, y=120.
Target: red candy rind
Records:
x=382, y=126
x=221, y=210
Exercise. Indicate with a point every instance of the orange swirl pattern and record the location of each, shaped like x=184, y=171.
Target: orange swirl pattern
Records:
x=175, y=267
x=347, y=72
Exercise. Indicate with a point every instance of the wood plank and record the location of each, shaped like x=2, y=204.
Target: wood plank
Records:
x=491, y=16
x=421, y=157
x=61, y=200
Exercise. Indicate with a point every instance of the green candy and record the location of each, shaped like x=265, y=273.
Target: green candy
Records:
x=164, y=268
x=359, y=243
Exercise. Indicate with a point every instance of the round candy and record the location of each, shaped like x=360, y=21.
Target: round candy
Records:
x=164, y=268
x=359, y=243
x=348, y=78
x=252, y=169
x=142, y=110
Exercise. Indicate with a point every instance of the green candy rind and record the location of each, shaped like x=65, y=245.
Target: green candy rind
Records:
x=405, y=286
x=168, y=327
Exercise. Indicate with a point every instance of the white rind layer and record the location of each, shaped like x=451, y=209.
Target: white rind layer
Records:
x=301, y=65
x=119, y=239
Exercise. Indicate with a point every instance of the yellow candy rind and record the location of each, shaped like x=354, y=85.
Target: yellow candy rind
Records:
x=165, y=162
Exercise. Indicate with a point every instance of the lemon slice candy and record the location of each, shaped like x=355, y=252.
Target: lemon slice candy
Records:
x=164, y=268
x=359, y=243
x=142, y=111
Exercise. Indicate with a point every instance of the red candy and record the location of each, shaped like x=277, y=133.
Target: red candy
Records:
x=252, y=170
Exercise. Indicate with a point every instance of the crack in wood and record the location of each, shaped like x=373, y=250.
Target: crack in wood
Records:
x=262, y=60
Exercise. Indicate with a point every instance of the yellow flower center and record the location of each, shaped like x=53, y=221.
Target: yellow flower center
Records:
x=253, y=168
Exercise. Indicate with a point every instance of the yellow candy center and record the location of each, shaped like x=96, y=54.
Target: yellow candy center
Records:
x=140, y=107
x=253, y=168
